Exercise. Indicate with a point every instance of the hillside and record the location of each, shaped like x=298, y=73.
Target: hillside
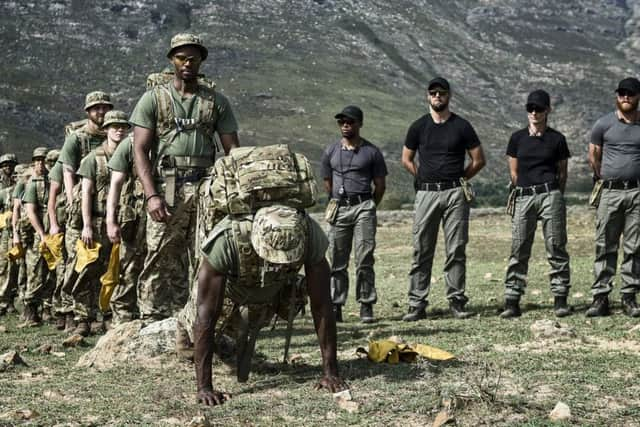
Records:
x=289, y=66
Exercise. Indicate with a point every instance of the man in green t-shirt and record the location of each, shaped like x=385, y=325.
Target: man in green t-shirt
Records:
x=174, y=144
x=8, y=268
x=95, y=185
x=126, y=220
x=8, y=163
x=40, y=283
x=253, y=262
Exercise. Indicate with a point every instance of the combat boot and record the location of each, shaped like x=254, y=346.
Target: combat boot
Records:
x=83, y=328
x=630, y=306
x=184, y=346
x=416, y=313
x=511, y=308
x=31, y=316
x=366, y=313
x=457, y=309
x=560, y=307
x=69, y=323
x=599, y=306
x=337, y=311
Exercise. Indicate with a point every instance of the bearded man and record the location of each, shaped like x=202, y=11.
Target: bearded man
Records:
x=614, y=156
x=443, y=140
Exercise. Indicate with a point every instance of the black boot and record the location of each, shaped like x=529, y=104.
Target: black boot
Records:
x=337, y=310
x=630, y=306
x=457, y=309
x=511, y=308
x=366, y=313
x=416, y=313
x=599, y=306
x=560, y=307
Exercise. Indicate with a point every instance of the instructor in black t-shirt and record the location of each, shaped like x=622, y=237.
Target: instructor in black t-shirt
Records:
x=442, y=139
x=538, y=158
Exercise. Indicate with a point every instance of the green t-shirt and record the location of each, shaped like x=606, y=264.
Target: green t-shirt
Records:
x=71, y=152
x=18, y=190
x=190, y=142
x=222, y=253
x=122, y=158
x=55, y=173
x=38, y=187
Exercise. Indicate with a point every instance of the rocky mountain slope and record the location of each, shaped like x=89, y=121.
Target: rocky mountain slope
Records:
x=288, y=66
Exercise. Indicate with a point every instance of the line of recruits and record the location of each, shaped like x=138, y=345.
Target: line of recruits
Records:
x=91, y=192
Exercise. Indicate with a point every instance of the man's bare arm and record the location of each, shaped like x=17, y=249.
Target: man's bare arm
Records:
x=325, y=323
x=513, y=169
x=477, y=162
x=211, y=286
x=379, y=187
x=229, y=141
x=562, y=174
x=142, y=141
x=113, y=198
x=86, y=204
x=34, y=219
x=54, y=189
x=595, y=159
x=15, y=217
x=407, y=160
x=69, y=178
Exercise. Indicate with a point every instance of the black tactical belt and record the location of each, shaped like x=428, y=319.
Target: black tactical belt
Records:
x=537, y=189
x=439, y=186
x=615, y=184
x=353, y=200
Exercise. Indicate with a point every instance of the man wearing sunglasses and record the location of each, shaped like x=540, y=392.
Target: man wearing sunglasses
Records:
x=174, y=145
x=538, y=157
x=443, y=140
x=614, y=156
x=349, y=167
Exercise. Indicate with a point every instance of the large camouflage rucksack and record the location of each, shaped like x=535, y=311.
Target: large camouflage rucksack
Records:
x=79, y=128
x=250, y=178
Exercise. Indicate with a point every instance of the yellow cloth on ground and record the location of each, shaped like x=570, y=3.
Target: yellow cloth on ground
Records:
x=110, y=278
x=86, y=255
x=16, y=252
x=394, y=352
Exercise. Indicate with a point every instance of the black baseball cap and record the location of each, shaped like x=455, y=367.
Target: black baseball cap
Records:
x=351, y=112
x=539, y=98
x=631, y=84
x=438, y=82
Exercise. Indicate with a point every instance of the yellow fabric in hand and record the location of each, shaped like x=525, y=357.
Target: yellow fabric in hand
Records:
x=86, y=255
x=4, y=219
x=110, y=278
x=55, y=243
x=47, y=255
x=16, y=252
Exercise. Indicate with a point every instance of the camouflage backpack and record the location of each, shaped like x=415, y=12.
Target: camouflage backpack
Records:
x=79, y=128
x=250, y=178
x=74, y=218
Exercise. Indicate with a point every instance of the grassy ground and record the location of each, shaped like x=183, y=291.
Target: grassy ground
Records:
x=503, y=374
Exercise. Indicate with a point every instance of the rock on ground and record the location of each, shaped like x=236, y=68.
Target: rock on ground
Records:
x=551, y=329
x=560, y=413
x=132, y=342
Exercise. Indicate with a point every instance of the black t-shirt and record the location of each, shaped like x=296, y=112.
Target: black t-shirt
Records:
x=352, y=169
x=538, y=156
x=442, y=147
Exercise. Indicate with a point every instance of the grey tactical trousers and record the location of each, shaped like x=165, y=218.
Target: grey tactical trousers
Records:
x=450, y=208
x=551, y=210
x=355, y=225
x=618, y=214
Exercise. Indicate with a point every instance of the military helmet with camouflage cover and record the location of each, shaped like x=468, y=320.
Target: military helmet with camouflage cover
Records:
x=279, y=234
x=115, y=117
x=8, y=158
x=39, y=152
x=96, y=98
x=186, y=39
x=52, y=156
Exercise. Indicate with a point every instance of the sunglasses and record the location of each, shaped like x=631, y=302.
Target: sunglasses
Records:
x=626, y=93
x=342, y=122
x=438, y=92
x=182, y=59
x=535, y=109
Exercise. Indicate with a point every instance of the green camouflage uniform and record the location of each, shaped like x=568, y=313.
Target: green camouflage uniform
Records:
x=40, y=280
x=186, y=154
x=131, y=217
x=8, y=269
